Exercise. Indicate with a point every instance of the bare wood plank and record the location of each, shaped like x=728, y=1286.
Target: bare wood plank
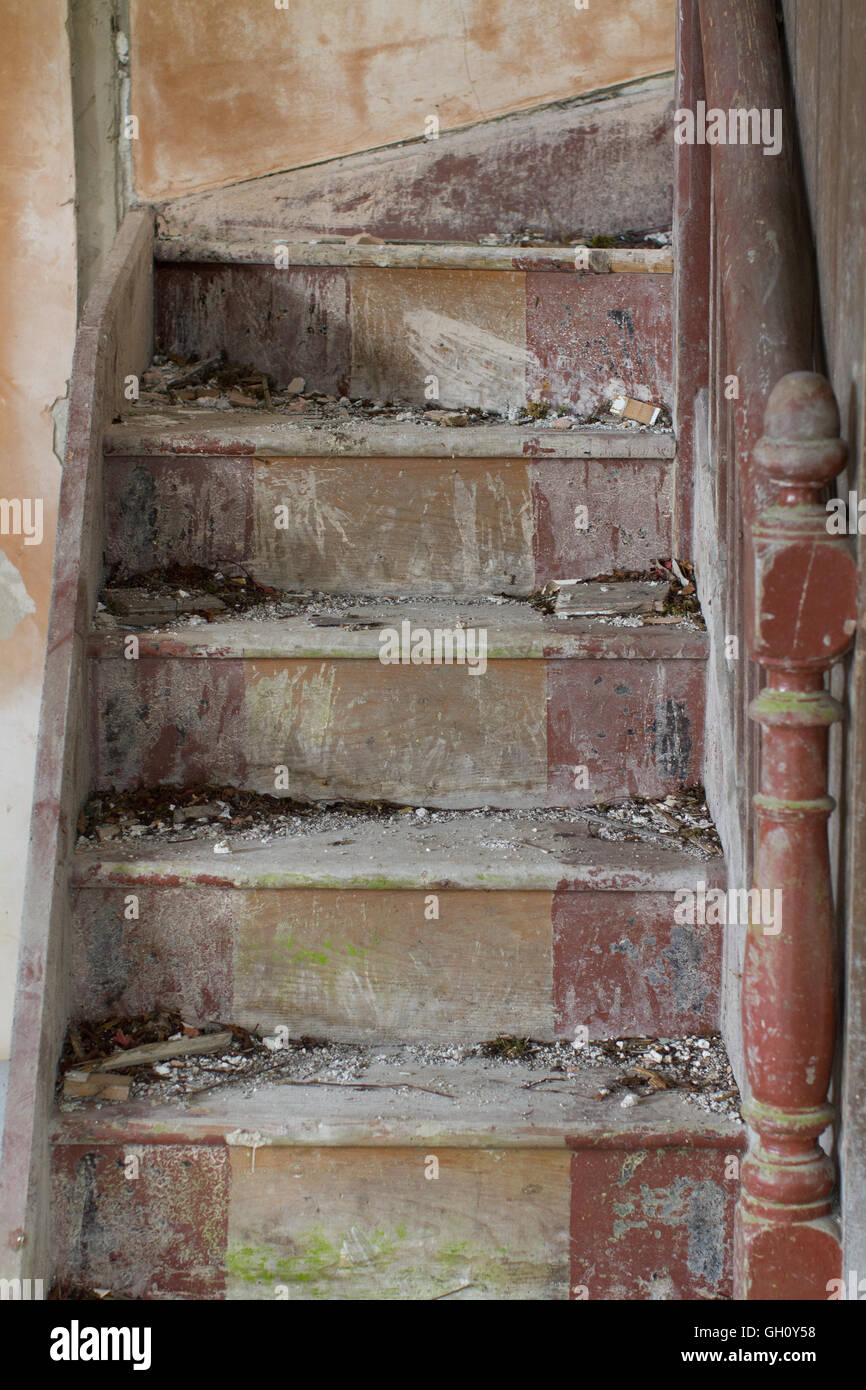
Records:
x=577, y=600
x=350, y=964
x=364, y=1223
x=161, y=1052
x=85, y=1085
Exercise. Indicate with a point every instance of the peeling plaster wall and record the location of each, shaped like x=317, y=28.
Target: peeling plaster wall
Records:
x=37, y=310
x=229, y=92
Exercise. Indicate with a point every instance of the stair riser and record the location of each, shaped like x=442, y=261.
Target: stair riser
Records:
x=492, y=338
x=361, y=730
x=466, y=527
x=314, y=1223
x=360, y=964
x=232, y=1222
x=653, y=1224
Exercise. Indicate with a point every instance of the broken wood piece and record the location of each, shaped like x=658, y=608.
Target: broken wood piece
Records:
x=90, y=1085
x=679, y=574
x=657, y=1081
x=163, y=1051
x=199, y=371
x=141, y=608
x=577, y=599
x=642, y=411
x=455, y=418
x=202, y=810
x=349, y=620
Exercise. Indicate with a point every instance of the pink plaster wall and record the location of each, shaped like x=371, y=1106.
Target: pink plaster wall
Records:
x=37, y=312
x=226, y=92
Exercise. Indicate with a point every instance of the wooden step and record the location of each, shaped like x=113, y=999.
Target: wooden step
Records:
x=379, y=506
x=543, y=711
x=619, y=177
x=401, y=928
x=327, y=1192
x=494, y=326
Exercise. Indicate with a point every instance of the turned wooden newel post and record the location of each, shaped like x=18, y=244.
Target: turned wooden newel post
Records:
x=802, y=621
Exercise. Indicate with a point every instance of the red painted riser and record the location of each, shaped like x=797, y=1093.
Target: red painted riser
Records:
x=615, y=963
x=209, y=510
x=575, y=332
x=653, y=1224
x=181, y=1221
x=637, y=725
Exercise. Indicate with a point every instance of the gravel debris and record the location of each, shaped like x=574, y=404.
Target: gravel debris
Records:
x=156, y=601
x=698, y=1069
x=227, y=815
x=135, y=601
x=190, y=386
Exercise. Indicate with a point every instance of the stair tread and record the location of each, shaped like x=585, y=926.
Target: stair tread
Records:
x=514, y=630
x=486, y=1103
x=471, y=850
x=198, y=430
x=199, y=245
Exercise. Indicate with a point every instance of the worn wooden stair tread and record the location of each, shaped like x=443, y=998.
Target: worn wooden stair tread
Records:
x=513, y=631
x=503, y=706
x=400, y=928
x=487, y=1104
x=200, y=430
x=317, y=1191
x=469, y=851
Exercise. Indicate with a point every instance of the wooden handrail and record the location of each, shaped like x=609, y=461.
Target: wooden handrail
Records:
x=799, y=617
x=804, y=616
x=764, y=242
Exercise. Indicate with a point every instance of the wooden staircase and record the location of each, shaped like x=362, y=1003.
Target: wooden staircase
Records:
x=439, y=888
x=540, y=929
x=473, y=898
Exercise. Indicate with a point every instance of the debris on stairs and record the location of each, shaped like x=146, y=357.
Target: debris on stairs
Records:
x=697, y=1068
x=400, y=1173
x=579, y=599
x=378, y=984
x=642, y=411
